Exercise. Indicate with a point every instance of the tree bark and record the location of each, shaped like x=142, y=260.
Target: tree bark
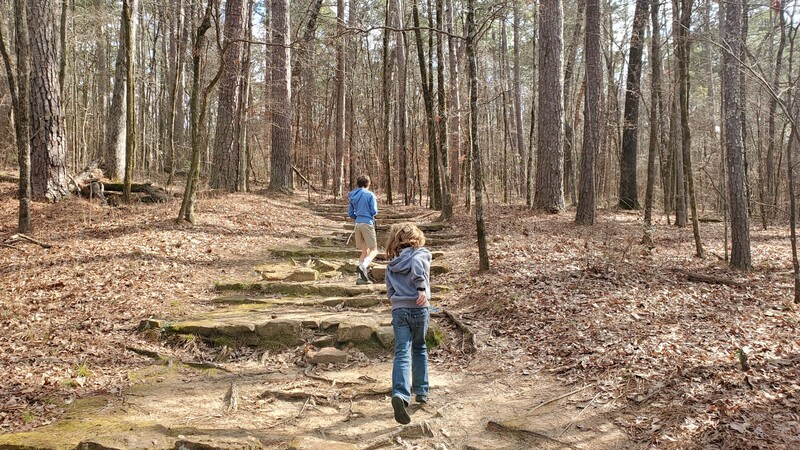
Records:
x=402, y=77
x=572, y=51
x=454, y=100
x=226, y=154
x=388, y=66
x=628, y=186
x=281, y=161
x=550, y=147
x=128, y=12
x=48, y=148
x=113, y=163
x=655, y=102
x=520, y=141
x=731, y=27
x=591, y=114
x=341, y=104
x=480, y=220
x=447, y=200
x=18, y=83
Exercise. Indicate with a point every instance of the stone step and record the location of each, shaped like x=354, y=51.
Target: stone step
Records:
x=340, y=239
x=425, y=227
x=358, y=301
x=334, y=253
x=319, y=289
x=285, y=326
x=381, y=218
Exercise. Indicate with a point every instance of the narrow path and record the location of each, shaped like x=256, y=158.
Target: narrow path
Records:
x=322, y=378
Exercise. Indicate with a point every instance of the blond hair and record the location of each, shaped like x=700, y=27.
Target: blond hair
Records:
x=403, y=235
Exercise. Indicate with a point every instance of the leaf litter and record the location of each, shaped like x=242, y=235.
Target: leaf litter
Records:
x=585, y=304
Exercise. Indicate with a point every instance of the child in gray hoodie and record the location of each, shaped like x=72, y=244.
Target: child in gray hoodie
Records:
x=409, y=289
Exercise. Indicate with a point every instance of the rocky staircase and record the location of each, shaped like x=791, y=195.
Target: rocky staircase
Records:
x=301, y=299
x=308, y=295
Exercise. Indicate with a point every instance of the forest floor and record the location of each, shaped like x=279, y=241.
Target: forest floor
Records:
x=654, y=354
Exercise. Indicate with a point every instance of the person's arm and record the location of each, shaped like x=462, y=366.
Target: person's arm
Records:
x=351, y=211
x=374, y=206
x=418, y=270
x=389, y=287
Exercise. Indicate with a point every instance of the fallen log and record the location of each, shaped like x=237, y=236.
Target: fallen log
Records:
x=157, y=195
x=710, y=279
x=8, y=179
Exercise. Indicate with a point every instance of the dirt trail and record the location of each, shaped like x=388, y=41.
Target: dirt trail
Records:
x=303, y=301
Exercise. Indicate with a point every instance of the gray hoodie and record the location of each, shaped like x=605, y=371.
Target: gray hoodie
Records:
x=407, y=275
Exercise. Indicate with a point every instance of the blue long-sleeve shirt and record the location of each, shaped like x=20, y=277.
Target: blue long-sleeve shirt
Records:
x=363, y=206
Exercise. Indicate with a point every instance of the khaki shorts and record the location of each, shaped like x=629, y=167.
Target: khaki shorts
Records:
x=365, y=236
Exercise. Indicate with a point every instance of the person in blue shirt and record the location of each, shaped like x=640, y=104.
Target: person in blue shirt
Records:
x=363, y=207
x=408, y=286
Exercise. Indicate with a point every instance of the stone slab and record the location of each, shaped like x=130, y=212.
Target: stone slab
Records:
x=327, y=355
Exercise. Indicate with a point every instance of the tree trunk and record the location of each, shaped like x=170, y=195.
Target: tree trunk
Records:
x=628, y=186
x=550, y=147
x=197, y=110
x=447, y=200
x=18, y=83
x=113, y=163
x=402, y=77
x=686, y=139
x=569, y=141
x=427, y=95
x=341, y=104
x=740, y=231
x=454, y=100
x=48, y=148
x=480, y=221
x=281, y=161
x=771, y=197
x=128, y=13
x=655, y=102
x=520, y=141
x=388, y=66
x=225, y=172
x=592, y=113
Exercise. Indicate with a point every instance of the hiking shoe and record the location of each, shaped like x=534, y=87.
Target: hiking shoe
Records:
x=423, y=399
x=360, y=281
x=362, y=274
x=400, y=413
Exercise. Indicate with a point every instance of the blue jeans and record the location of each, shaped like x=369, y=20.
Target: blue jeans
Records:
x=410, y=352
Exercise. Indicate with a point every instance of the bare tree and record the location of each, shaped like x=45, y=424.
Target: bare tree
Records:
x=198, y=106
x=128, y=12
x=281, y=161
x=341, y=103
x=18, y=83
x=48, y=147
x=591, y=114
x=655, y=108
x=225, y=171
x=731, y=28
x=550, y=147
x=628, y=186
x=480, y=219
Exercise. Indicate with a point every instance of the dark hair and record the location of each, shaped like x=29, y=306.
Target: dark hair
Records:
x=363, y=181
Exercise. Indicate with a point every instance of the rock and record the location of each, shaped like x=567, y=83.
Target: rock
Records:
x=378, y=273
x=327, y=355
x=312, y=443
x=386, y=336
x=416, y=431
x=330, y=275
x=323, y=341
x=303, y=274
x=151, y=324
x=324, y=265
x=353, y=333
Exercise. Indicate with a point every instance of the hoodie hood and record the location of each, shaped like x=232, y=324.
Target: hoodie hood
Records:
x=401, y=264
x=355, y=195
